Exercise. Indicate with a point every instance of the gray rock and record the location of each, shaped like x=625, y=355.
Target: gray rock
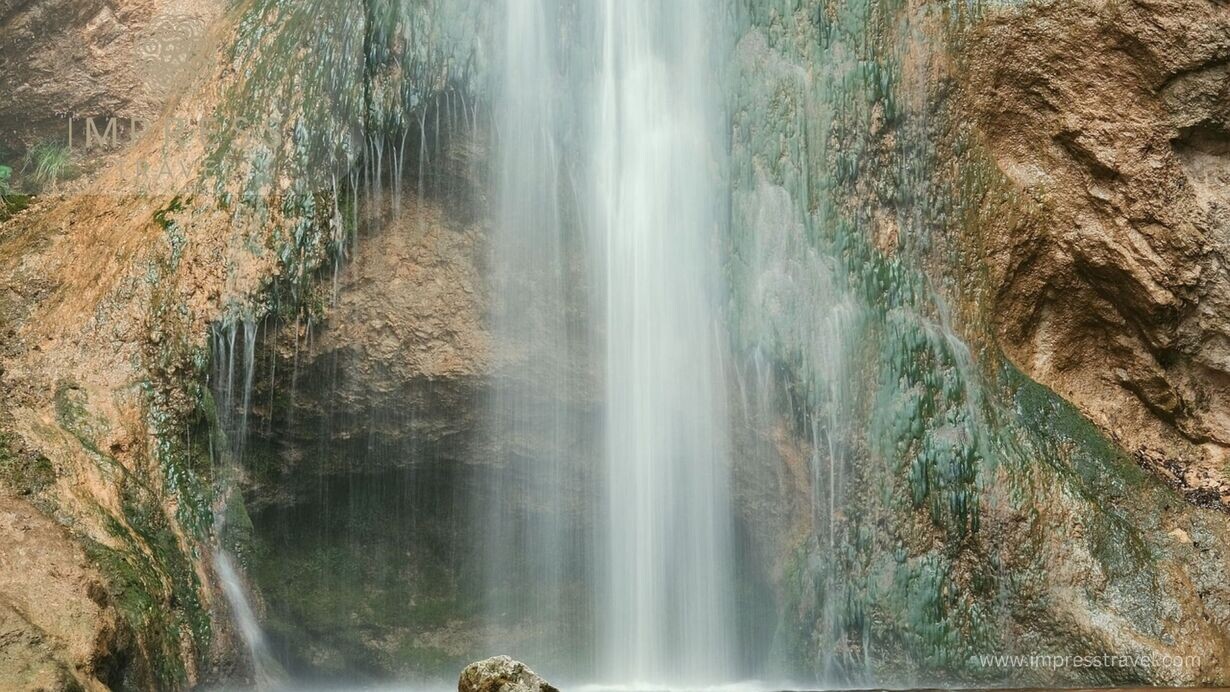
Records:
x=501, y=674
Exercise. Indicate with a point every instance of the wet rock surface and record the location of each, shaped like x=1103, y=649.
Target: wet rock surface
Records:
x=111, y=282
x=1111, y=289
x=501, y=674
x=376, y=422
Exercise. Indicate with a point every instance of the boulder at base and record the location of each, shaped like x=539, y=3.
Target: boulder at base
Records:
x=501, y=674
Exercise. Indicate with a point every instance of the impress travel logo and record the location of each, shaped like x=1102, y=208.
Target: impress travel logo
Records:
x=167, y=46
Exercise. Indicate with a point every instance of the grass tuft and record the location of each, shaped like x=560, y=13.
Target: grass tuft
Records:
x=47, y=163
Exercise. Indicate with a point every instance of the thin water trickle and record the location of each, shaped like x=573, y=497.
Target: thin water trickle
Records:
x=264, y=664
x=233, y=410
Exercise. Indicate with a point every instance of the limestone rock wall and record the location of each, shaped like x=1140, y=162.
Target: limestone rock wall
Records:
x=113, y=280
x=1113, y=121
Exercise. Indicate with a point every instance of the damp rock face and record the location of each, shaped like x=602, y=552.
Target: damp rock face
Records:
x=1111, y=287
x=501, y=674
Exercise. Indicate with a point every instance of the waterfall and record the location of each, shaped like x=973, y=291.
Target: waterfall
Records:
x=631, y=114
x=529, y=544
x=666, y=613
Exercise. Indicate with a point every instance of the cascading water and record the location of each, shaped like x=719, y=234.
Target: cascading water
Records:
x=649, y=148
x=602, y=515
x=667, y=612
x=530, y=548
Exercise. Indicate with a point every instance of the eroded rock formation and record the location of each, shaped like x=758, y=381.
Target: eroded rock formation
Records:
x=1113, y=288
x=110, y=285
x=59, y=628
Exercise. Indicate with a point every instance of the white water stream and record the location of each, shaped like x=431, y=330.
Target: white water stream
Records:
x=667, y=611
x=646, y=143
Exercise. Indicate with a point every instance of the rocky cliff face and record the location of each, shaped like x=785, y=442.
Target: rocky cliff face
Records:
x=111, y=283
x=367, y=440
x=59, y=626
x=1112, y=288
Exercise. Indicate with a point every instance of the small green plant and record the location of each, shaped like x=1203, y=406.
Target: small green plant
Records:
x=11, y=201
x=47, y=163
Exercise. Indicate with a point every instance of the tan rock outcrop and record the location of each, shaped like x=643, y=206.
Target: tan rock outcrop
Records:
x=406, y=311
x=1113, y=120
x=94, y=317
x=58, y=628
